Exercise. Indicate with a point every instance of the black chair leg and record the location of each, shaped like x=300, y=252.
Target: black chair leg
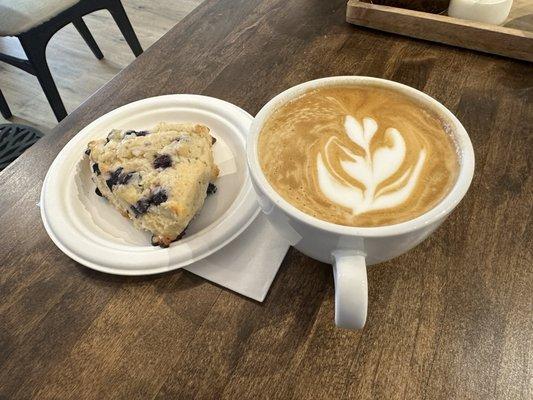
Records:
x=119, y=15
x=35, y=51
x=89, y=39
x=4, y=108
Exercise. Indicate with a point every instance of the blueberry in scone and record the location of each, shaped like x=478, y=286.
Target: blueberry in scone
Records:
x=158, y=178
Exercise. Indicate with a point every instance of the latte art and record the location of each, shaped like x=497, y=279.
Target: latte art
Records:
x=358, y=156
x=371, y=170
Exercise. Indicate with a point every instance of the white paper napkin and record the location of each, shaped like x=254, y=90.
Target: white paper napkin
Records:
x=249, y=263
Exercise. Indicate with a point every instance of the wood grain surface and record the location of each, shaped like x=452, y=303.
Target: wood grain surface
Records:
x=451, y=319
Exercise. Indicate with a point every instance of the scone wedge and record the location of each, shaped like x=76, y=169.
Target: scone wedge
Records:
x=158, y=178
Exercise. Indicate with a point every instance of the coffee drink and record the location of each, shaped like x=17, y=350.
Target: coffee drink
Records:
x=358, y=155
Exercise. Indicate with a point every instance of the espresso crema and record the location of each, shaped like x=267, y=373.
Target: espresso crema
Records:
x=358, y=155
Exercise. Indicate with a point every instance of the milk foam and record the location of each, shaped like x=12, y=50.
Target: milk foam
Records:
x=370, y=170
x=358, y=156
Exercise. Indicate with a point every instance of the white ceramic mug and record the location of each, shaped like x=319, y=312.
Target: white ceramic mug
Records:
x=351, y=249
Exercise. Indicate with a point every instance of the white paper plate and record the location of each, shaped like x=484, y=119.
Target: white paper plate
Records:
x=87, y=229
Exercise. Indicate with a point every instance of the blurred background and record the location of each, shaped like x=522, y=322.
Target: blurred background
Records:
x=76, y=71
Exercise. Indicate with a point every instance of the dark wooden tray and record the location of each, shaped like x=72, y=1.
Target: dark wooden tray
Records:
x=505, y=41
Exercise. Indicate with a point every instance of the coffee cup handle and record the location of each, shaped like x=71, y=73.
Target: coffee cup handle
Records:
x=351, y=288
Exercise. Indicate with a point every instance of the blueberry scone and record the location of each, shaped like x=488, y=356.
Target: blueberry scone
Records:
x=157, y=178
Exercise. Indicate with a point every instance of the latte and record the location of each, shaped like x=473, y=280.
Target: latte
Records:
x=358, y=155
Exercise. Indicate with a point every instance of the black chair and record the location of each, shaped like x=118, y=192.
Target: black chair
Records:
x=15, y=140
x=34, y=22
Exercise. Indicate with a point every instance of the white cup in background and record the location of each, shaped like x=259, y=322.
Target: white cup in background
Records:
x=487, y=11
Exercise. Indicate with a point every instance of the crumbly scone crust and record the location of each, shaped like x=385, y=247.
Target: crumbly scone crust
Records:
x=157, y=178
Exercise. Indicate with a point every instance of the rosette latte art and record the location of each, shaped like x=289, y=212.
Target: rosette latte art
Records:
x=358, y=156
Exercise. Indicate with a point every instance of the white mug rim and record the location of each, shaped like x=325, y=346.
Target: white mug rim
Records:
x=441, y=210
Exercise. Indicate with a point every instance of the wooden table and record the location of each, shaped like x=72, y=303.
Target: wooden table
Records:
x=453, y=318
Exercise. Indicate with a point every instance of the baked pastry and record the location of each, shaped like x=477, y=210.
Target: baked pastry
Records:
x=158, y=178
